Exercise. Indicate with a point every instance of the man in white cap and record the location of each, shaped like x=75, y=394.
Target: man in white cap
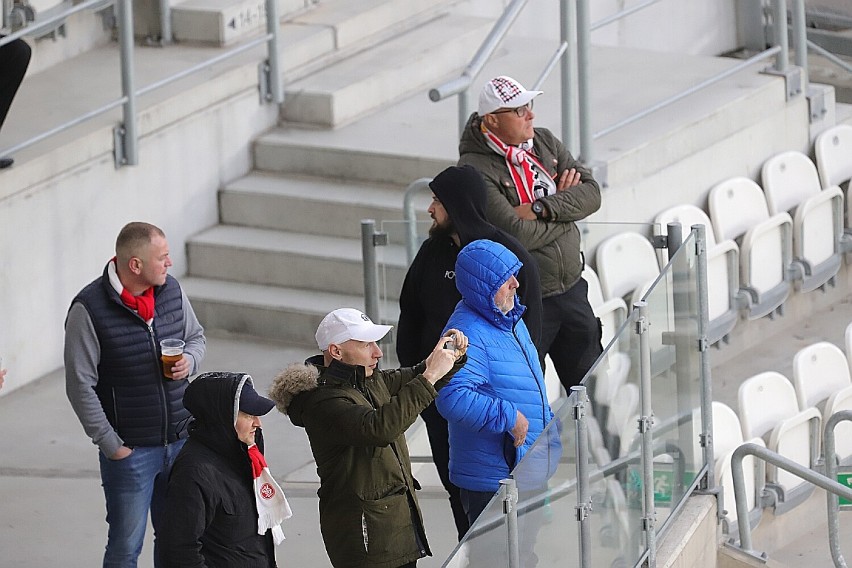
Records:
x=536, y=193
x=356, y=415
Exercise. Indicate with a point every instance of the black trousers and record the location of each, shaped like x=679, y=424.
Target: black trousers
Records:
x=14, y=59
x=570, y=334
x=439, y=441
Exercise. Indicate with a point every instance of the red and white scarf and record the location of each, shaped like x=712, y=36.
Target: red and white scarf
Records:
x=143, y=304
x=531, y=179
x=272, y=505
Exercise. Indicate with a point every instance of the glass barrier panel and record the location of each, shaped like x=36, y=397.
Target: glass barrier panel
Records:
x=675, y=380
x=593, y=233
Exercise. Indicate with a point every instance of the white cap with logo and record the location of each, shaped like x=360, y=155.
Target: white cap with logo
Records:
x=344, y=324
x=503, y=92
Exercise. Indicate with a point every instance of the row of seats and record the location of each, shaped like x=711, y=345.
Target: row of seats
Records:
x=758, y=240
x=787, y=417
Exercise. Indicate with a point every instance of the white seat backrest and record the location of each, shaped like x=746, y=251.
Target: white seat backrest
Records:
x=789, y=178
x=792, y=438
x=819, y=370
x=848, y=343
x=595, y=295
x=841, y=400
x=727, y=431
x=833, y=149
x=625, y=261
x=736, y=205
x=624, y=405
x=766, y=251
x=765, y=400
x=724, y=477
x=687, y=216
x=551, y=381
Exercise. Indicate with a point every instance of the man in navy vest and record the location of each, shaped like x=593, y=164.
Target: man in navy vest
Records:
x=116, y=384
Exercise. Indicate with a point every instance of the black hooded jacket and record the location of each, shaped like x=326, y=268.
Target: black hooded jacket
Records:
x=211, y=516
x=428, y=295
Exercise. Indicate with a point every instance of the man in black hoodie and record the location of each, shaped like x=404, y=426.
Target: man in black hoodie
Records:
x=223, y=508
x=429, y=293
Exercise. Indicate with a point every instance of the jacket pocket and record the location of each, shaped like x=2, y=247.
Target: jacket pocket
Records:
x=386, y=524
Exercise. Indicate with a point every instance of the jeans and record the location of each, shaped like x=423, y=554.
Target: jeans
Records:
x=132, y=486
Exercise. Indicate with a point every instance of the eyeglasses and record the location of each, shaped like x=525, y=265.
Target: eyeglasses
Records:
x=521, y=111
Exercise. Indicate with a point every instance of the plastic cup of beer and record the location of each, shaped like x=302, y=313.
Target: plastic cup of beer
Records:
x=172, y=352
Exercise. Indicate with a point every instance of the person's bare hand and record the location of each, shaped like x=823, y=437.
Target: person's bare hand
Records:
x=524, y=211
x=519, y=432
x=181, y=369
x=2, y=377
x=121, y=453
x=569, y=178
x=441, y=360
x=460, y=342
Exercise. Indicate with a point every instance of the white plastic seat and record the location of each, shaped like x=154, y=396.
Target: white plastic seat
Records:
x=833, y=149
x=723, y=280
x=621, y=423
x=738, y=211
x=612, y=312
x=819, y=371
x=841, y=400
x=848, y=343
x=625, y=262
x=769, y=409
x=791, y=182
x=552, y=384
x=753, y=485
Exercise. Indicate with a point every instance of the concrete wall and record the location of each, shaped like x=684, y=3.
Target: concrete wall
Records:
x=652, y=28
x=56, y=234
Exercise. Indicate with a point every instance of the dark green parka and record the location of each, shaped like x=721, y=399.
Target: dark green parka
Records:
x=369, y=516
x=555, y=242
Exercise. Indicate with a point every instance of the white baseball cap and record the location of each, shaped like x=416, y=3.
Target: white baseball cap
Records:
x=503, y=92
x=344, y=324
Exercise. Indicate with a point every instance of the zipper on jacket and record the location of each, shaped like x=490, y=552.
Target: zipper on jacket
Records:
x=541, y=394
x=160, y=386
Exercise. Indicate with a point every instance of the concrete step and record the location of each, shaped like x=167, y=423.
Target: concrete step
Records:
x=399, y=67
x=297, y=260
x=312, y=205
x=222, y=22
x=280, y=151
x=272, y=312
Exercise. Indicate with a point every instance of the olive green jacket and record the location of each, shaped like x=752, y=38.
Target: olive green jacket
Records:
x=369, y=516
x=555, y=242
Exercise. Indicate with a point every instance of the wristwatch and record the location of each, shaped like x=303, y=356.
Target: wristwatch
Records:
x=539, y=209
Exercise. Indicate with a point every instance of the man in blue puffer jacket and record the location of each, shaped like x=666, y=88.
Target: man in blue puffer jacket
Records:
x=496, y=405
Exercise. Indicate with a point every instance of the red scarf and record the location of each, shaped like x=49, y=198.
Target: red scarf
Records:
x=521, y=163
x=258, y=462
x=142, y=304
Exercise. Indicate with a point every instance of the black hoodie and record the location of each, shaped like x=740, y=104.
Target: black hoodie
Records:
x=211, y=516
x=463, y=194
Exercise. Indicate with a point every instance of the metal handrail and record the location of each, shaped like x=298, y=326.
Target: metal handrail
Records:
x=410, y=216
x=126, y=135
x=830, y=56
x=831, y=472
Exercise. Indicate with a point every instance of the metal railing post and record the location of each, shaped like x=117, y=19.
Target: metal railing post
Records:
x=646, y=421
x=584, y=35
x=800, y=40
x=165, y=22
x=831, y=473
x=704, y=367
x=410, y=216
x=568, y=72
x=371, y=269
x=464, y=109
x=779, y=17
x=129, y=153
x=276, y=90
x=509, y=494
x=584, y=498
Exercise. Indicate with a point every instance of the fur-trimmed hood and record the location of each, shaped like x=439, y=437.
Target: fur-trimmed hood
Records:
x=292, y=381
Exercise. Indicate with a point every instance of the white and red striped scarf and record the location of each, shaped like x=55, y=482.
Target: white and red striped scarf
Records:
x=522, y=167
x=272, y=505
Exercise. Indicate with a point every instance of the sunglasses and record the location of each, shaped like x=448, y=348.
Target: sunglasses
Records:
x=521, y=111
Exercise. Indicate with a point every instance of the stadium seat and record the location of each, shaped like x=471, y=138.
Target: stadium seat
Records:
x=833, y=149
x=551, y=381
x=622, y=425
x=612, y=312
x=738, y=211
x=791, y=183
x=819, y=370
x=625, y=261
x=768, y=408
x=848, y=343
x=841, y=400
x=727, y=437
x=723, y=281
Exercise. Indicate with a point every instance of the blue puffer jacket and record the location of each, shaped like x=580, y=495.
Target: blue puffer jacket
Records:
x=502, y=374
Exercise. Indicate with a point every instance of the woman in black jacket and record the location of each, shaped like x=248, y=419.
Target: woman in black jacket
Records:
x=211, y=505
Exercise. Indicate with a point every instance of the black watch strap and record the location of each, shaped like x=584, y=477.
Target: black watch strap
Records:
x=539, y=209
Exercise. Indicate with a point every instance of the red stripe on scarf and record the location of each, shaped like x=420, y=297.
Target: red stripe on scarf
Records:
x=521, y=158
x=258, y=462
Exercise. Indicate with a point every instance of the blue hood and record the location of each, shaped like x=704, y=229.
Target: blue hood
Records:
x=481, y=268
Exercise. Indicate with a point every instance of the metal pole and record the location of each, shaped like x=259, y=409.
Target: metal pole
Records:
x=800, y=40
x=165, y=22
x=584, y=499
x=276, y=91
x=674, y=238
x=371, y=269
x=779, y=16
x=568, y=72
x=410, y=216
x=584, y=35
x=704, y=367
x=645, y=425
x=128, y=90
x=464, y=111
x=509, y=491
